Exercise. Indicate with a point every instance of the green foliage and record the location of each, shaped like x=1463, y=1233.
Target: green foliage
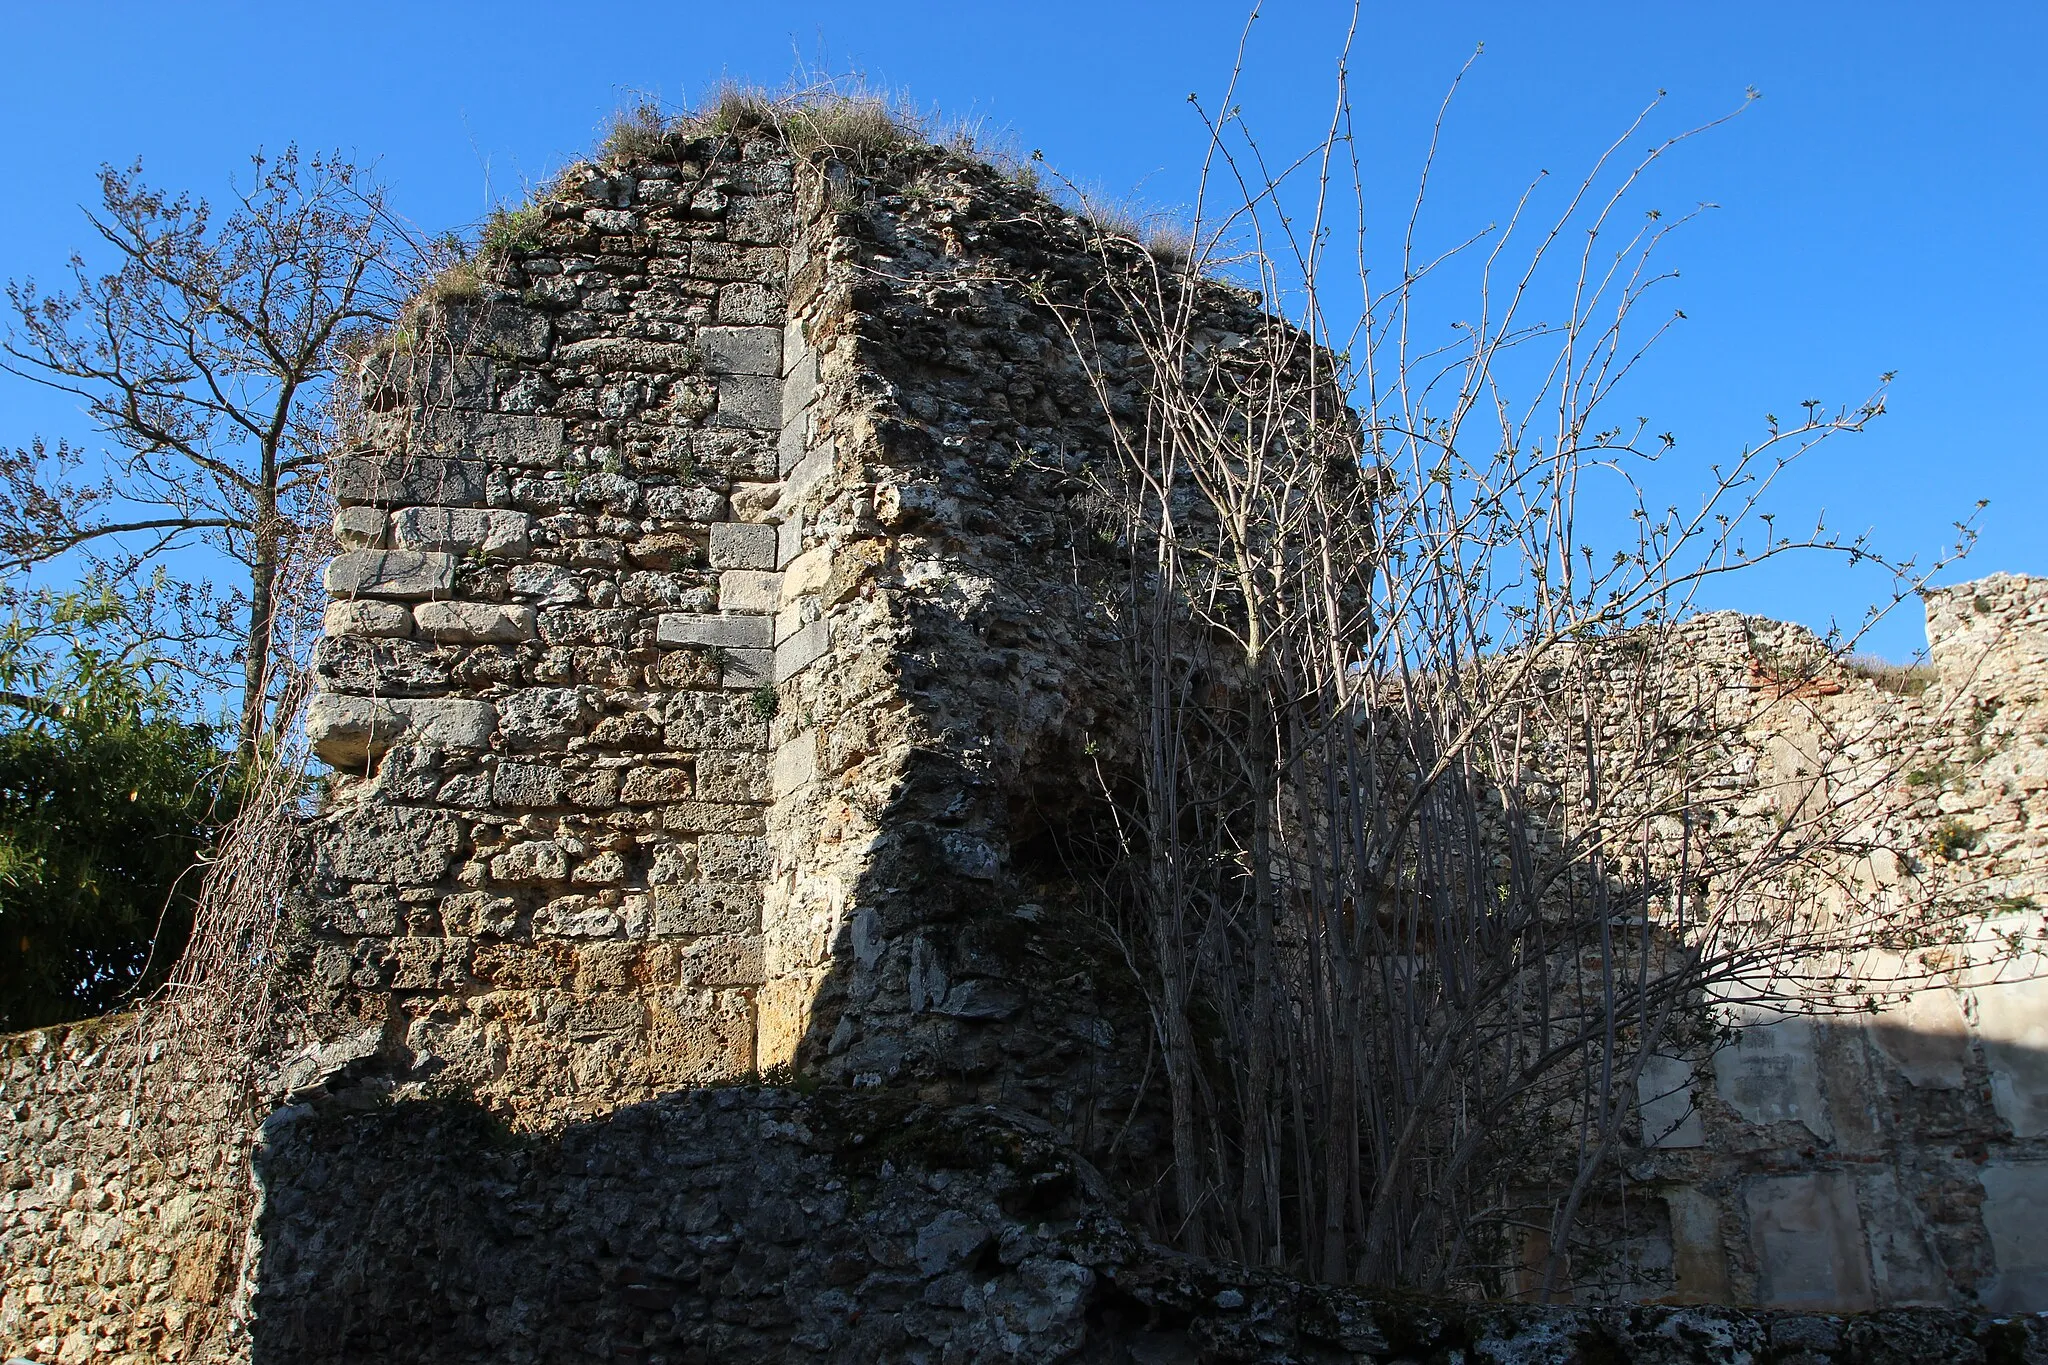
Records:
x=765, y=700
x=108, y=801
x=1951, y=839
x=510, y=231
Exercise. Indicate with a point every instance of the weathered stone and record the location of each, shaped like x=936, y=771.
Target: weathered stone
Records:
x=655, y=786
x=750, y=401
x=738, y=545
x=707, y=908
x=360, y=528
x=493, y=533
x=367, y=617
x=499, y=329
x=742, y=350
x=384, y=480
x=393, y=845
x=405, y=574
x=749, y=590
x=383, y=667
x=801, y=650
x=475, y=622
x=723, y=632
x=543, y=717
x=529, y=784
x=349, y=731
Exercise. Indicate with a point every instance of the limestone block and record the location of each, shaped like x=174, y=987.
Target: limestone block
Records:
x=785, y=1006
x=800, y=387
x=733, y=857
x=748, y=303
x=499, y=328
x=722, y=961
x=1925, y=1037
x=1905, y=1268
x=713, y=720
x=708, y=817
x=722, y=632
x=696, y=1037
x=741, y=350
x=370, y=618
x=801, y=650
x=385, y=480
x=495, y=533
x=748, y=400
x=1664, y=1100
x=408, y=574
x=747, y=669
x=475, y=623
x=685, y=505
x=543, y=717
x=655, y=786
x=807, y=572
x=529, y=784
x=2012, y=1021
x=793, y=343
x=812, y=470
x=537, y=860
x=348, y=731
x=550, y=585
x=1771, y=1074
x=749, y=590
x=790, y=445
x=707, y=908
x=795, y=764
x=616, y=354
x=732, y=777
x=359, y=528
x=1699, y=1260
x=379, y=667
x=391, y=845
x=742, y=545
x=2015, y=1212
x=1808, y=1240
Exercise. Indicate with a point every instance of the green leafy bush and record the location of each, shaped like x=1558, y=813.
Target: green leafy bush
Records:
x=108, y=803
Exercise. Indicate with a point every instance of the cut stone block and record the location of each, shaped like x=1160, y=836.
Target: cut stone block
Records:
x=383, y=480
x=807, y=572
x=724, y=632
x=1771, y=1074
x=801, y=650
x=748, y=400
x=1699, y=1261
x=495, y=533
x=748, y=668
x=497, y=438
x=2015, y=1212
x=794, y=347
x=741, y=350
x=813, y=469
x=789, y=539
x=1926, y=1037
x=347, y=732
x=1664, y=1099
x=707, y=908
x=406, y=574
x=749, y=590
x=388, y=620
x=2012, y=1018
x=500, y=328
x=742, y=545
x=791, y=445
x=529, y=784
x=476, y=623
x=1808, y=1240
x=800, y=387
x=359, y=528
x=795, y=764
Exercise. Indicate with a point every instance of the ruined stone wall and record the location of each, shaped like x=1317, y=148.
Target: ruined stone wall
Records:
x=1898, y=1156
x=716, y=653
x=124, y=1200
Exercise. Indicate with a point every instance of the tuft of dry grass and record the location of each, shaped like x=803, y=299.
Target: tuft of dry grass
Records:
x=1904, y=680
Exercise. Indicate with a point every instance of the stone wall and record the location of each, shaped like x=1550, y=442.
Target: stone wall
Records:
x=715, y=657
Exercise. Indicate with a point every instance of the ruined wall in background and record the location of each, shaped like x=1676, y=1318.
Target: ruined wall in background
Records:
x=1844, y=1162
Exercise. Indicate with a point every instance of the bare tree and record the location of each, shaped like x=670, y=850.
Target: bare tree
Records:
x=1434, y=832
x=207, y=358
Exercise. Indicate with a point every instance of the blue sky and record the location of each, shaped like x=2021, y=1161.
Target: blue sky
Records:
x=1880, y=207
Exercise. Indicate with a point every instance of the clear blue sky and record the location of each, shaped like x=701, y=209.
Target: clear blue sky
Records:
x=1881, y=206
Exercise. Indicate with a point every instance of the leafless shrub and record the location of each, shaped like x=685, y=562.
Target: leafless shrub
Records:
x=1436, y=827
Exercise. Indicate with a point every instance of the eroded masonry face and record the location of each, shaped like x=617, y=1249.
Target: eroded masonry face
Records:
x=717, y=633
